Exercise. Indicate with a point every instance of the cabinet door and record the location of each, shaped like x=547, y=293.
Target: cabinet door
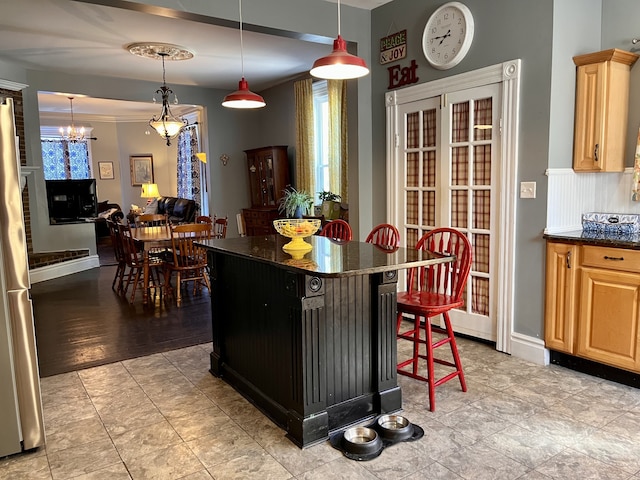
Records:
x=561, y=296
x=590, y=106
x=609, y=309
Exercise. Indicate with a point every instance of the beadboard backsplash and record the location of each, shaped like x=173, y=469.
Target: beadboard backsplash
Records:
x=571, y=194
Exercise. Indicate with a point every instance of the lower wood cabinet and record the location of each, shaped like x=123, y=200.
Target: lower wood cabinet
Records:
x=259, y=221
x=592, y=305
x=561, y=295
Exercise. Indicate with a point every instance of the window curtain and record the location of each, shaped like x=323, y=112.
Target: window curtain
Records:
x=305, y=158
x=63, y=160
x=338, y=161
x=189, y=164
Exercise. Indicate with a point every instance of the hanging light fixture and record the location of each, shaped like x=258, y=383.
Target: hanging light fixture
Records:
x=167, y=125
x=339, y=64
x=243, y=97
x=72, y=134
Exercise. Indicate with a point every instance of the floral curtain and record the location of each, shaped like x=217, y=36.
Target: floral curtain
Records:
x=63, y=160
x=189, y=164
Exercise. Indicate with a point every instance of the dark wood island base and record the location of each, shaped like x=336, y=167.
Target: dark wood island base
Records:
x=310, y=342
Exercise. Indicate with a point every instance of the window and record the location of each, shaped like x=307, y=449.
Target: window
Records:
x=321, y=135
x=63, y=160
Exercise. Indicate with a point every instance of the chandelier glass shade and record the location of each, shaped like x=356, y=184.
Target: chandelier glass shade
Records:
x=243, y=97
x=339, y=64
x=71, y=133
x=166, y=124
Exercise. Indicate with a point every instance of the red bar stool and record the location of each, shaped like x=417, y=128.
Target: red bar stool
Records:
x=433, y=290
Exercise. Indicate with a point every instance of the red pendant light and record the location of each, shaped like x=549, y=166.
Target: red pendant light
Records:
x=243, y=97
x=339, y=64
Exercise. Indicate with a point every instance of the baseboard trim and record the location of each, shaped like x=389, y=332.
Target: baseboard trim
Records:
x=529, y=348
x=61, y=269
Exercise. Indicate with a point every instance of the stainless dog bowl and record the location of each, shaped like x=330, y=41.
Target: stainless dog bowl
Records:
x=361, y=440
x=394, y=427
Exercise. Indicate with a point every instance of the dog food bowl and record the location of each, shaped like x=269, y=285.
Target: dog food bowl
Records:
x=394, y=427
x=361, y=441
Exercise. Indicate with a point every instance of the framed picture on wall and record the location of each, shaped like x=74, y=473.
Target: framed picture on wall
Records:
x=141, y=169
x=105, y=169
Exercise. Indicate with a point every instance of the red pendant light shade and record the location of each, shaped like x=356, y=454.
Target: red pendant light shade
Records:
x=339, y=64
x=243, y=97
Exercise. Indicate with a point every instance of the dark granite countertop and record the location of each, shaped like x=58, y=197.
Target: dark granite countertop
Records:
x=327, y=257
x=600, y=239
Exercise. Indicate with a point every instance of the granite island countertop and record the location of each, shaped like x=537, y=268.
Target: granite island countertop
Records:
x=582, y=237
x=327, y=257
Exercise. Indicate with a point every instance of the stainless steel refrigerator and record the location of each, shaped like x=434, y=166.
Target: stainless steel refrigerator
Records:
x=21, y=419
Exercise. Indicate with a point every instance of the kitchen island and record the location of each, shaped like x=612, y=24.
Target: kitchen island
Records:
x=310, y=341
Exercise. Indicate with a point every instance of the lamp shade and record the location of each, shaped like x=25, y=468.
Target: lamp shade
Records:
x=167, y=128
x=339, y=64
x=150, y=190
x=243, y=97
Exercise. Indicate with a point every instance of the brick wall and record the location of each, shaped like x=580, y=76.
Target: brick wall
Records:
x=18, y=108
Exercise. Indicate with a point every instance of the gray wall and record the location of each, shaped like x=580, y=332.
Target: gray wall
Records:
x=504, y=30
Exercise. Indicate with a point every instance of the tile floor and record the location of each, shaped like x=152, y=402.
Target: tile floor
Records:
x=166, y=417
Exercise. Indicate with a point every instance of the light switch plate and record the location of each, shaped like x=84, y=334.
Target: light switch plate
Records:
x=527, y=189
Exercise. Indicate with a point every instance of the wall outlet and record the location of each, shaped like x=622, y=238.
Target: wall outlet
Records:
x=527, y=189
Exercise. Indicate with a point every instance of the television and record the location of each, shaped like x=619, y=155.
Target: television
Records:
x=71, y=201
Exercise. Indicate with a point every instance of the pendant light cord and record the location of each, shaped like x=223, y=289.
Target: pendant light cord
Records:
x=338, y=17
x=241, y=44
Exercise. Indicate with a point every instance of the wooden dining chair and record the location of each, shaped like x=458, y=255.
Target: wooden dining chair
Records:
x=337, y=230
x=151, y=220
x=134, y=258
x=119, y=255
x=204, y=219
x=189, y=261
x=384, y=235
x=219, y=227
x=433, y=290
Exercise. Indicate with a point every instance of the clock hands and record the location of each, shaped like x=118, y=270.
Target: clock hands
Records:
x=442, y=37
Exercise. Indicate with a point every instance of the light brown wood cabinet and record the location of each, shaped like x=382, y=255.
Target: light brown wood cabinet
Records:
x=561, y=296
x=602, y=103
x=592, y=307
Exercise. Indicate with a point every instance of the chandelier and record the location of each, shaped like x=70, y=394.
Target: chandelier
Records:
x=166, y=124
x=71, y=133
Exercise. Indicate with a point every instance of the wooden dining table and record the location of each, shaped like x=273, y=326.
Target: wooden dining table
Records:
x=150, y=237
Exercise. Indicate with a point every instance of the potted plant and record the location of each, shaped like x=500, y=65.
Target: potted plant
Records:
x=330, y=204
x=295, y=203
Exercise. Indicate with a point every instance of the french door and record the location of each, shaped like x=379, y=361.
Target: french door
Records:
x=449, y=156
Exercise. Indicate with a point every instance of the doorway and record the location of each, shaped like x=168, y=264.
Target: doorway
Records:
x=448, y=139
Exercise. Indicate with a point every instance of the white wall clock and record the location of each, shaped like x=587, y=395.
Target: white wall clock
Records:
x=448, y=35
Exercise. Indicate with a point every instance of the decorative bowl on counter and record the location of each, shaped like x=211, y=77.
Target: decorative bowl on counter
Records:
x=297, y=229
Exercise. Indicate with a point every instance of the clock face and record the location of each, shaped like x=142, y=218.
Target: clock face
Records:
x=448, y=35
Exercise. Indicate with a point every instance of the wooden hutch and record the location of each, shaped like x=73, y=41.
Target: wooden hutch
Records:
x=268, y=177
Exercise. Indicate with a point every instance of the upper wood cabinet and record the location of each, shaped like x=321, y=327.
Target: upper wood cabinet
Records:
x=268, y=175
x=602, y=104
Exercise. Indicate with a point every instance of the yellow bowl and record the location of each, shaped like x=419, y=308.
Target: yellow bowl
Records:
x=296, y=229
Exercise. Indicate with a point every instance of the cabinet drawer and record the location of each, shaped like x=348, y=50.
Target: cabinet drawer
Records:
x=611, y=258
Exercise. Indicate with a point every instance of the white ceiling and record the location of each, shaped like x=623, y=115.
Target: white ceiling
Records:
x=88, y=39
